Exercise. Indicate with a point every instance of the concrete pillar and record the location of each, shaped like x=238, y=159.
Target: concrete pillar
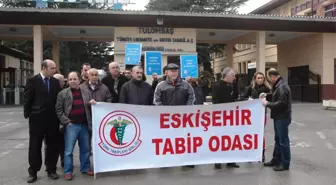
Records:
x=164, y=61
x=38, y=48
x=260, y=45
x=229, y=55
x=56, y=54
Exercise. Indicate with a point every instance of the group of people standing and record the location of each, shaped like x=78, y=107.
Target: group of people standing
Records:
x=61, y=117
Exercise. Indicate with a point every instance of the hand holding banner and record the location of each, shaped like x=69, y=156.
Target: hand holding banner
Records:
x=166, y=136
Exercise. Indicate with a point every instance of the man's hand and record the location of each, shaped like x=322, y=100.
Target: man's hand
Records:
x=264, y=102
x=262, y=95
x=92, y=102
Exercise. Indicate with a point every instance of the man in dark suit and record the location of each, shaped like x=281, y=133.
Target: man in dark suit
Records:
x=40, y=96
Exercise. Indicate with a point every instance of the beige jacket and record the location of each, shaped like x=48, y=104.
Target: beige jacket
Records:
x=64, y=105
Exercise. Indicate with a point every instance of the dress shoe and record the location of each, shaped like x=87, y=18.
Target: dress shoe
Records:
x=53, y=176
x=232, y=165
x=89, y=173
x=263, y=156
x=68, y=177
x=280, y=168
x=270, y=163
x=218, y=166
x=31, y=178
x=189, y=166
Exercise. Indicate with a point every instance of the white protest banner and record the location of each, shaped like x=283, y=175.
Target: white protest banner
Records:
x=139, y=137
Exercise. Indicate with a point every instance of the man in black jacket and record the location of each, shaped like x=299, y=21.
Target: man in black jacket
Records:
x=40, y=96
x=281, y=113
x=157, y=80
x=136, y=91
x=223, y=92
x=114, y=81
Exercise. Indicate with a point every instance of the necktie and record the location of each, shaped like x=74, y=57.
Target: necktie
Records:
x=46, y=81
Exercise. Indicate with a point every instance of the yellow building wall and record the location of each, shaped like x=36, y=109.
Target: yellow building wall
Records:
x=239, y=58
x=242, y=58
x=300, y=52
x=328, y=57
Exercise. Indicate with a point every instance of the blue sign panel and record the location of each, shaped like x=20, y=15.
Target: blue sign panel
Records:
x=189, y=66
x=132, y=53
x=117, y=6
x=153, y=62
x=41, y=4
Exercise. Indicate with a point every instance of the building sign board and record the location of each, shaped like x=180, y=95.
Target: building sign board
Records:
x=132, y=53
x=153, y=62
x=165, y=40
x=189, y=66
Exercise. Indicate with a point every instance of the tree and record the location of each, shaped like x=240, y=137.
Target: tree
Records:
x=211, y=6
x=72, y=54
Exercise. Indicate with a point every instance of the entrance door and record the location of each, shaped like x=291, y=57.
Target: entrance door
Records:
x=298, y=75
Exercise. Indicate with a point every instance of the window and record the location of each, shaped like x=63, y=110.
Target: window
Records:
x=303, y=6
x=330, y=10
x=293, y=11
x=309, y=4
x=298, y=9
x=239, y=68
x=315, y=2
x=244, y=67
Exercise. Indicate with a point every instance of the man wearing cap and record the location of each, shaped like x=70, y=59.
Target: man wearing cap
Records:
x=174, y=91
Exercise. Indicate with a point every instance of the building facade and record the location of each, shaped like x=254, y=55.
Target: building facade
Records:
x=246, y=53
x=308, y=62
x=15, y=68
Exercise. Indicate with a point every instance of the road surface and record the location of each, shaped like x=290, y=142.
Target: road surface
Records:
x=313, y=144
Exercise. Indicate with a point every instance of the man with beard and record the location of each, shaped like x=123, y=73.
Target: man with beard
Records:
x=84, y=70
x=281, y=113
x=174, y=91
x=128, y=74
x=136, y=91
x=223, y=92
x=157, y=80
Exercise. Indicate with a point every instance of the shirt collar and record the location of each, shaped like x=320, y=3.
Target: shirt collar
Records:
x=43, y=77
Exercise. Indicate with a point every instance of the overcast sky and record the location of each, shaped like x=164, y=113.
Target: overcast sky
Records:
x=247, y=8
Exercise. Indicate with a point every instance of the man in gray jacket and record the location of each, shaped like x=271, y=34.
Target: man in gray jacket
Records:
x=174, y=91
x=74, y=111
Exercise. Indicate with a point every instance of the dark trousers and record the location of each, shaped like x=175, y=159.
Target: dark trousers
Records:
x=90, y=140
x=60, y=149
x=38, y=130
x=281, y=153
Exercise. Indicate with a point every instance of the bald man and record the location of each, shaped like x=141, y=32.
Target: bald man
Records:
x=40, y=96
x=114, y=81
x=136, y=91
x=60, y=79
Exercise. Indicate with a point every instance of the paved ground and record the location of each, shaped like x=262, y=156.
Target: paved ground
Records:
x=313, y=136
